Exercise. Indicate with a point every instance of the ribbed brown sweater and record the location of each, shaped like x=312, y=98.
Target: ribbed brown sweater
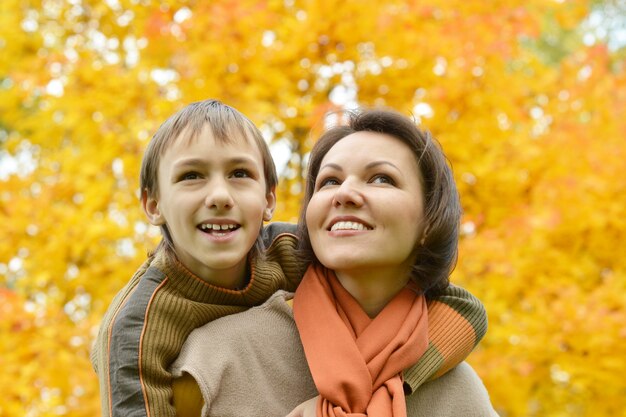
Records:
x=150, y=318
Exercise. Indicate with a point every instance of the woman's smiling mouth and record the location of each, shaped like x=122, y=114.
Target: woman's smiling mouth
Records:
x=349, y=225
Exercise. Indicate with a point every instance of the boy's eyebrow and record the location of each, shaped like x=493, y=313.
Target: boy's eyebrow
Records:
x=242, y=160
x=199, y=161
x=188, y=162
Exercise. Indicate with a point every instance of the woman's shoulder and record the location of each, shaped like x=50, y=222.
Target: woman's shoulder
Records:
x=460, y=392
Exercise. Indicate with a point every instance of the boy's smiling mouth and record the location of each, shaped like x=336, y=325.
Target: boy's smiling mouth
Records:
x=218, y=229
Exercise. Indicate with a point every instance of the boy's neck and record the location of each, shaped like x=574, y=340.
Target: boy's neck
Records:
x=233, y=278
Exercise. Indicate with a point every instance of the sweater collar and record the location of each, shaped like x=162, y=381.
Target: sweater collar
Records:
x=262, y=279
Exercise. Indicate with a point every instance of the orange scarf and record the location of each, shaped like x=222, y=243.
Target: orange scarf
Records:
x=356, y=362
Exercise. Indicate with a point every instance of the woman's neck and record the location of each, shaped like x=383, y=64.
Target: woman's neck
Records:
x=372, y=288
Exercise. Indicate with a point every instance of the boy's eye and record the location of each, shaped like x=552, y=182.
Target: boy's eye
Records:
x=382, y=179
x=241, y=173
x=189, y=176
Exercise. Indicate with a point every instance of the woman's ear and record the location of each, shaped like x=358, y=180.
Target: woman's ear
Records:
x=270, y=205
x=150, y=206
x=424, y=235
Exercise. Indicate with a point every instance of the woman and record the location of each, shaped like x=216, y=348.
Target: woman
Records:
x=380, y=225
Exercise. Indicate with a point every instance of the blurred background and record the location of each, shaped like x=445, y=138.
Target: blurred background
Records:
x=528, y=99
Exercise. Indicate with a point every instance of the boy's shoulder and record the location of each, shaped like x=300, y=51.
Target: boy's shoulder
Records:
x=276, y=230
x=139, y=287
x=100, y=351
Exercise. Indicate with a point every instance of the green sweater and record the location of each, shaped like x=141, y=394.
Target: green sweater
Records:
x=145, y=326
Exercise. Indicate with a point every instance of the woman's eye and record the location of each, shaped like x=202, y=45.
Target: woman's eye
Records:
x=328, y=181
x=382, y=179
x=241, y=173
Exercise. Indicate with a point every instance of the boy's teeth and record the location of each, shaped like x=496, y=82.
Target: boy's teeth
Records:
x=348, y=226
x=218, y=227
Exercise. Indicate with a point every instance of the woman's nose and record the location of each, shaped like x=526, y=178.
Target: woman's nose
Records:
x=348, y=194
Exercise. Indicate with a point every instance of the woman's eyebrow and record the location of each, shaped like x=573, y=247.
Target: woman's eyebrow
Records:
x=370, y=165
x=331, y=165
x=374, y=164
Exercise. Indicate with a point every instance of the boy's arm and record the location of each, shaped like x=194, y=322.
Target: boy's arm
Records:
x=272, y=230
x=100, y=351
x=457, y=322
x=281, y=243
x=188, y=399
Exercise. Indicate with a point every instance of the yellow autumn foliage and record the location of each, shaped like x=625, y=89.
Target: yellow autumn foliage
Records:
x=527, y=98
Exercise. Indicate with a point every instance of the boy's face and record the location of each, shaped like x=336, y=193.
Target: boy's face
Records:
x=213, y=199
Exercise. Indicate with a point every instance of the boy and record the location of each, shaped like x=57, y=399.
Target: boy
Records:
x=207, y=180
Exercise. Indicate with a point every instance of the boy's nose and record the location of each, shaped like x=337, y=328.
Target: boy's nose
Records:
x=218, y=197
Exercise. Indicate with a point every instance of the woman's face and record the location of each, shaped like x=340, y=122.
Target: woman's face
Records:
x=366, y=212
